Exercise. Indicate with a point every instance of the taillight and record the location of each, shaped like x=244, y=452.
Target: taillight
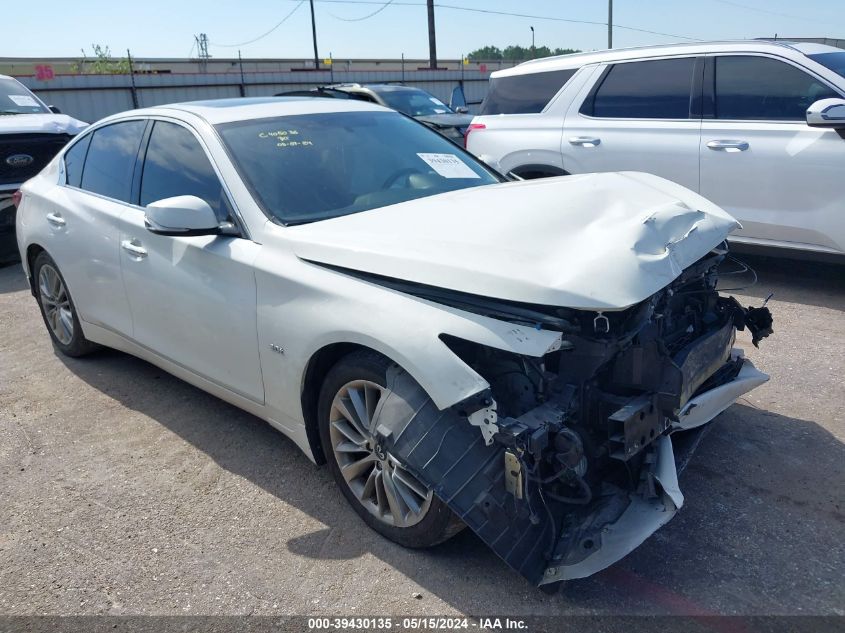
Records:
x=16, y=198
x=472, y=126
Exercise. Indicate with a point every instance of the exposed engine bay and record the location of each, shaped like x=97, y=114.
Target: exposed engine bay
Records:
x=566, y=464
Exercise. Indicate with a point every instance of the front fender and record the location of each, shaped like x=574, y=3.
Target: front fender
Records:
x=301, y=313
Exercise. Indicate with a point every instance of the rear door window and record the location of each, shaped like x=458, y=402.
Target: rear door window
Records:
x=74, y=159
x=524, y=94
x=655, y=89
x=111, y=159
x=177, y=165
x=761, y=88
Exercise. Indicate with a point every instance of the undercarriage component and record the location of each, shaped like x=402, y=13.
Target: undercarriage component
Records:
x=543, y=539
x=513, y=474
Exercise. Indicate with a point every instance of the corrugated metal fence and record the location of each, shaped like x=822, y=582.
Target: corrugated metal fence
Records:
x=91, y=97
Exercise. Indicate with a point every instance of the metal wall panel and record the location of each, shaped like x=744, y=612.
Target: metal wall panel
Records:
x=91, y=97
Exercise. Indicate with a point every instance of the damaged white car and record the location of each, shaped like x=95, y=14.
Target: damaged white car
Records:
x=461, y=350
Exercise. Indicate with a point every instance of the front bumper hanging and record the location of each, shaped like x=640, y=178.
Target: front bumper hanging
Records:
x=543, y=540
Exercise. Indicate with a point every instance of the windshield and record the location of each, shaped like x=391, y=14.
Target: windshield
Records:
x=16, y=99
x=834, y=61
x=316, y=166
x=413, y=102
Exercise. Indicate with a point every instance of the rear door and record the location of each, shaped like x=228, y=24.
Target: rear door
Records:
x=84, y=215
x=761, y=161
x=640, y=116
x=193, y=299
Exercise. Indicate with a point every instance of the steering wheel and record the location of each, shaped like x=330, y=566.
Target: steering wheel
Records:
x=405, y=172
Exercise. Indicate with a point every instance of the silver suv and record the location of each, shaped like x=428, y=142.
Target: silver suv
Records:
x=758, y=127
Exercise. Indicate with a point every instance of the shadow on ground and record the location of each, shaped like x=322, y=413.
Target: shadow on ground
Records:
x=796, y=281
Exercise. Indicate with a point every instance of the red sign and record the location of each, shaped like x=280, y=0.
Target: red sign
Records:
x=44, y=72
x=482, y=68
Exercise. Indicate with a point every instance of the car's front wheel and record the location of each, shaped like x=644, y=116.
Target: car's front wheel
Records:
x=383, y=493
x=57, y=308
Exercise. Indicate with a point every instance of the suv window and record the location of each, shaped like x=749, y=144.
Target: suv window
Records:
x=111, y=159
x=656, y=89
x=750, y=87
x=176, y=165
x=74, y=159
x=524, y=94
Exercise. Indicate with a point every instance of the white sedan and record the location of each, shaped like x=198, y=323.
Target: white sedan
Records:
x=516, y=357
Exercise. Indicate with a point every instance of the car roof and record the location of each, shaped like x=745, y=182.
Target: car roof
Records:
x=576, y=60
x=217, y=111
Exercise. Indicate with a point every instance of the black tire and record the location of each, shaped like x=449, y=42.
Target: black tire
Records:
x=439, y=523
x=77, y=345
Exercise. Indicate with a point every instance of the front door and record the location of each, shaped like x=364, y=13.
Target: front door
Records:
x=760, y=160
x=193, y=299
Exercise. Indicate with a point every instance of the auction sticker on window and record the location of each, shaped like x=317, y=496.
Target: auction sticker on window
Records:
x=448, y=165
x=23, y=100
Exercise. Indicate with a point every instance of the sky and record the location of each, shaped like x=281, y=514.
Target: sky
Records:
x=159, y=28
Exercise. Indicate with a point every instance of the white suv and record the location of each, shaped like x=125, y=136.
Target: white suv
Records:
x=756, y=126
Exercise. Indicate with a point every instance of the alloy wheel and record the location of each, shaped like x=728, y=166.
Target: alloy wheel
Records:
x=379, y=481
x=56, y=304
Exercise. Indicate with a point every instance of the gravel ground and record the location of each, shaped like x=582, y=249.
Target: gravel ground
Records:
x=127, y=491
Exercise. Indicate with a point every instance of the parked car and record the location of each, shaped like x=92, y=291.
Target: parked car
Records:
x=31, y=133
x=416, y=103
x=758, y=127
x=513, y=356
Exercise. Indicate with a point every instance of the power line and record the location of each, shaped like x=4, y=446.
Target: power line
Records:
x=546, y=17
x=263, y=35
x=508, y=14
x=369, y=15
x=778, y=13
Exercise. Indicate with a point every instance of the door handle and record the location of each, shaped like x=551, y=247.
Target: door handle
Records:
x=585, y=141
x=56, y=219
x=134, y=248
x=728, y=146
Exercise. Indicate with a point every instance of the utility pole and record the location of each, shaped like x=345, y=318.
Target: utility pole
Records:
x=202, y=51
x=532, y=41
x=610, y=23
x=432, y=42
x=314, y=35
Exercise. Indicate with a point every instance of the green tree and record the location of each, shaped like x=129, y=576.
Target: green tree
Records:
x=488, y=53
x=516, y=53
x=102, y=62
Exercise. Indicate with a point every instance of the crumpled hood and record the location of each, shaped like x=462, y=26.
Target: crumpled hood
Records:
x=40, y=123
x=447, y=120
x=593, y=241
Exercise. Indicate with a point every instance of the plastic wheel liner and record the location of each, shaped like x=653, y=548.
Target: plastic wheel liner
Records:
x=543, y=539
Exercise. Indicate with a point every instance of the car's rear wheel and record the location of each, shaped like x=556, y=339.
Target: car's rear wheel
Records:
x=57, y=308
x=375, y=483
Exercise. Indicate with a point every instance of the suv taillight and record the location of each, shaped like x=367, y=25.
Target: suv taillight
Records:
x=472, y=126
x=16, y=198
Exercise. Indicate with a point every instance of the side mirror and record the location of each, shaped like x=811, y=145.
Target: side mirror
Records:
x=462, y=110
x=54, y=109
x=182, y=215
x=827, y=113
